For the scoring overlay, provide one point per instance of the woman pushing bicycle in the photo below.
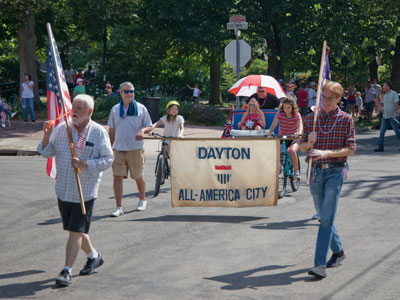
(290, 123)
(173, 122)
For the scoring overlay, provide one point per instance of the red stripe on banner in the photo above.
(223, 167)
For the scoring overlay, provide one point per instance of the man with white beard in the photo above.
(94, 155)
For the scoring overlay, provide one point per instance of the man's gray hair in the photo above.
(125, 83)
(85, 98)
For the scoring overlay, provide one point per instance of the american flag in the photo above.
(82, 139)
(326, 71)
(54, 106)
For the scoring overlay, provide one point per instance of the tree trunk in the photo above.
(395, 79)
(373, 70)
(105, 55)
(373, 66)
(215, 81)
(27, 53)
(275, 58)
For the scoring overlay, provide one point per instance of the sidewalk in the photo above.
(22, 137)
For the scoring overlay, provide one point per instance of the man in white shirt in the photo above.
(390, 108)
(69, 77)
(128, 120)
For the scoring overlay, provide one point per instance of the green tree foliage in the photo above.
(163, 45)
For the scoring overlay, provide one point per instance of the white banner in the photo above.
(224, 173)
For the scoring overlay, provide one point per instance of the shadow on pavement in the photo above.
(94, 219)
(149, 194)
(293, 225)
(383, 183)
(245, 280)
(20, 274)
(197, 218)
(17, 290)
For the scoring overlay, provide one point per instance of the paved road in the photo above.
(204, 253)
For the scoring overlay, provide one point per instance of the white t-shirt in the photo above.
(26, 91)
(312, 97)
(69, 75)
(196, 92)
(171, 129)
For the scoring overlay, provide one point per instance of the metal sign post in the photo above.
(236, 23)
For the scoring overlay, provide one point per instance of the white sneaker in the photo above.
(296, 175)
(13, 114)
(142, 205)
(315, 217)
(117, 212)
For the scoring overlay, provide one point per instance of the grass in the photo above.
(364, 123)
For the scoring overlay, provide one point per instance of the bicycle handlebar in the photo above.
(158, 135)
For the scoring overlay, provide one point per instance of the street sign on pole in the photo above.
(244, 56)
(237, 25)
(238, 52)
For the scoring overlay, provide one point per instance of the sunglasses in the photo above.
(129, 91)
(252, 104)
(262, 91)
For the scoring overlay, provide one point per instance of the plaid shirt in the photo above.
(335, 131)
(97, 153)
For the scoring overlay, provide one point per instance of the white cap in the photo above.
(79, 80)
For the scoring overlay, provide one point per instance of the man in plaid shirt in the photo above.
(94, 155)
(328, 147)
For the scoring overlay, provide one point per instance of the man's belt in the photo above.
(330, 165)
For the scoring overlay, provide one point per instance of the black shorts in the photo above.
(288, 143)
(72, 218)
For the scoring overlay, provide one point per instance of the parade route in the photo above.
(201, 253)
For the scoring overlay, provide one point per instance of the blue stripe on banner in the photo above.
(223, 178)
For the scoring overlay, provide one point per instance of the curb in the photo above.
(364, 129)
(16, 152)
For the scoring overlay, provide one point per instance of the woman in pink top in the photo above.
(253, 118)
(290, 123)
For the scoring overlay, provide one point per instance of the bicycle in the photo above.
(162, 170)
(286, 169)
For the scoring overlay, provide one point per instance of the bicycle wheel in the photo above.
(282, 178)
(295, 183)
(159, 173)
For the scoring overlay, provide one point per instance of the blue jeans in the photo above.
(326, 191)
(25, 103)
(384, 126)
(5, 109)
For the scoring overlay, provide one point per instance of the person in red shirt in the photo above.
(328, 147)
(290, 123)
(77, 76)
(302, 100)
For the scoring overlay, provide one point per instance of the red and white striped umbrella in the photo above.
(248, 85)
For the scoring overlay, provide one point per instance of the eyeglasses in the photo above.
(129, 91)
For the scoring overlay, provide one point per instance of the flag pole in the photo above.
(316, 109)
(71, 143)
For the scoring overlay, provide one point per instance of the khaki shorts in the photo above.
(129, 160)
